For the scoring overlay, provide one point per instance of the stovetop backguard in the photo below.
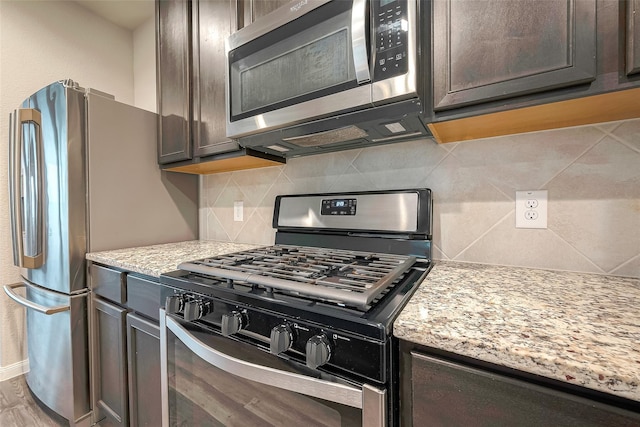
(400, 214)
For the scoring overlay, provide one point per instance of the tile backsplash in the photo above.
(592, 174)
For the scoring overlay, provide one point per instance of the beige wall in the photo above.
(41, 42)
(592, 175)
(144, 66)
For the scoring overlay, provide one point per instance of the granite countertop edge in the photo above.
(154, 260)
(578, 328)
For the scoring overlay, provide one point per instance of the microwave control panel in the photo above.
(391, 24)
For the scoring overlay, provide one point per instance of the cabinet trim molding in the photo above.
(608, 107)
(633, 37)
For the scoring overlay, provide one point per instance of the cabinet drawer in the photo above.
(108, 283)
(451, 394)
(144, 296)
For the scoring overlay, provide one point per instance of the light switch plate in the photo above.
(531, 209)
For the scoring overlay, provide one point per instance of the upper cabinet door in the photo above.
(485, 50)
(250, 10)
(633, 37)
(213, 21)
(173, 68)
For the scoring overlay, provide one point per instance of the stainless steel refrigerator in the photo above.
(83, 178)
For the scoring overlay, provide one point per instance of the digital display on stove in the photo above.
(338, 207)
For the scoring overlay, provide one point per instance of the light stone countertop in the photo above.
(157, 259)
(582, 329)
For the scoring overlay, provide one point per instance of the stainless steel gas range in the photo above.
(299, 332)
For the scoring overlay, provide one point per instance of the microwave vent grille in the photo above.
(348, 133)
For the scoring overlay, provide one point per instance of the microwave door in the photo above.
(26, 188)
(296, 70)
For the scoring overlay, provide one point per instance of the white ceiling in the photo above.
(127, 14)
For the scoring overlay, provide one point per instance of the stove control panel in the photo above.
(318, 351)
(281, 339)
(308, 343)
(195, 309)
(232, 323)
(338, 206)
(174, 304)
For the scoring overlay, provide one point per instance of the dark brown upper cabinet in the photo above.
(191, 70)
(211, 23)
(250, 10)
(633, 37)
(489, 50)
(173, 21)
(190, 43)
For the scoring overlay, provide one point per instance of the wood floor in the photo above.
(19, 409)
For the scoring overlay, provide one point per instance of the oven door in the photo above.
(305, 60)
(208, 379)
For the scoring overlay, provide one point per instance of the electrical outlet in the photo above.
(531, 209)
(237, 210)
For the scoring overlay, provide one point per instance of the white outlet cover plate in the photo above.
(237, 210)
(524, 201)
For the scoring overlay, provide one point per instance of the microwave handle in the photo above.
(370, 399)
(359, 41)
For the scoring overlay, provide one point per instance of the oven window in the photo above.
(305, 59)
(203, 395)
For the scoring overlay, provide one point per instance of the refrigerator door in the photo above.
(26, 190)
(48, 188)
(57, 340)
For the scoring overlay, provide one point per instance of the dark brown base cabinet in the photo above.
(439, 392)
(143, 363)
(111, 364)
(126, 348)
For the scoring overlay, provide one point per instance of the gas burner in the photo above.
(352, 278)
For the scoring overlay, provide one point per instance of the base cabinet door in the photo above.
(143, 350)
(111, 364)
(449, 394)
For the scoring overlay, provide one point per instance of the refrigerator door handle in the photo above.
(26, 189)
(8, 289)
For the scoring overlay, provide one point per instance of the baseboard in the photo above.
(14, 370)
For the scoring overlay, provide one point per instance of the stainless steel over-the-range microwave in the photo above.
(319, 75)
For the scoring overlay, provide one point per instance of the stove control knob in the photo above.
(195, 309)
(232, 323)
(174, 304)
(318, 351)
(281, 339)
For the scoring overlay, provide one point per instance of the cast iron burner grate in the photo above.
(347, 277)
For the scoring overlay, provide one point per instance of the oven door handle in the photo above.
(371, 400)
